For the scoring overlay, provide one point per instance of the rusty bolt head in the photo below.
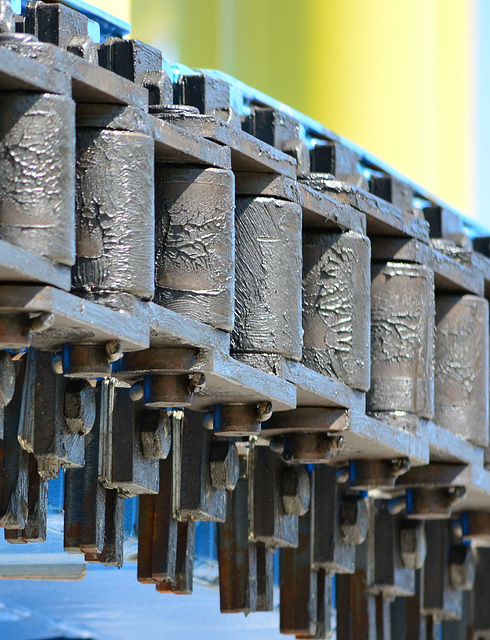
(224, 465)
(354, 520)
(197, 382)
(79, 407)
(400, 466)
(295, 490)
(413, 544)
(113, 350)
(461, 567)
(7, 378)
(263, 411)
(156, 434)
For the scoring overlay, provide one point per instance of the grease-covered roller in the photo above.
(268, 277)
(114, 210)
(337, 306)
(461, 366)
(195, 243)
(37, 176)
(402, 340)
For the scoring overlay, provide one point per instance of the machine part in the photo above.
(268, 277)
(14, 508)
(161, 391)
(131, 59)
(438, 596)
(37, 509)
(475, 527)
(157, 532)
(55, 23)
(123, 464)
(413, 543)
(270, 125)
(295, 489)
(461, 567)
(195, 243)
(311, 448)
(365, 475)
(337, 306)
(402, 339)
(299, 586)
(37, 181)
(238, 586)
(79, 407)
(184, 568)
(432, 503)
(15, 331)
(85, 361)
(461, 366)
(112, 552)
(392, 190)
(331, 546)
(207, 94)
(480, 609)
(339, 161)
(269, 522)
(156, 434)
(236, 420)
(391, 577)
(207, 470)
(114, 212)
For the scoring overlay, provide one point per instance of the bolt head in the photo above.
(354, 518)
(224, 465)
(413, 544)
(295, 490)
(461, 567)
(79, 407)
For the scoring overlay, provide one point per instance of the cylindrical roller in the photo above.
(115, 213)
(268, 277)
(37, 177)
(337, 306)
(461, 366)
(402, 339)
(195, 243)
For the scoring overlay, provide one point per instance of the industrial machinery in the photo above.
(212, 302)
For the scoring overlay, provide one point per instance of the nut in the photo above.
(224, 465)
(461, 567)
(413, 544)
(295, 490)
(353, 520)
(156, 434)
(79, 407)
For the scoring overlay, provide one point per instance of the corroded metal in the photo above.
(461, 366)
(336, 306)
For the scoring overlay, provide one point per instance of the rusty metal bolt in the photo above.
(156, 434)
(461, 567)
(113, 350)
(224, 465)
(413, 544)
(295, 490)
(354, 520)
(7, 378)
(79, 407)
(400, 466)
(197, 382)
(263, 411)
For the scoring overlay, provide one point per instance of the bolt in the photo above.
(113, 350)
(7, 378)
(136, 392)
(400, 466)
(57, 364)
(413, 544)
(263, 411)
(79, 407)
(156, 434)
(224, 465)
(295, 490)
(353, 520)
(461, 567)
(197, 382)
(456, 493)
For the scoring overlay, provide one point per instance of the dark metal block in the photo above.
(131, 59)
(184, 568)
(443, 223)
(337, 160)
(204, 92)
(55, 23)
(112, 552)
(393, 190)
(273, 127)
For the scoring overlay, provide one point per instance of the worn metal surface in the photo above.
(461, 366)
(336, 306)
(195, 233)
(268, 277)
